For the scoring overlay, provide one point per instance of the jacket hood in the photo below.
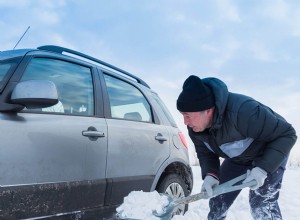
(221, 93)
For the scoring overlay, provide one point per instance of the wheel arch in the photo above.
(177, 166)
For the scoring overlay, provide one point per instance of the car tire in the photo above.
(175, 186)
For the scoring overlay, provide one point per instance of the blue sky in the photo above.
(253, 46)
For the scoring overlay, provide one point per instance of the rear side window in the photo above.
(73, 82)
(126, 101)
(165, 110)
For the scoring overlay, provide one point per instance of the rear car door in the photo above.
(137, 146)
(53, 160)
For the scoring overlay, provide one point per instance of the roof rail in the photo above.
(60, 50)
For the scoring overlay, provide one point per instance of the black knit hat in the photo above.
(195, 96)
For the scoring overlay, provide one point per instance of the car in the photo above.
(79, 134)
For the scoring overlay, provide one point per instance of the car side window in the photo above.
(126, 101)
(73, 82)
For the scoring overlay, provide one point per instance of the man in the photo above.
(251, 137)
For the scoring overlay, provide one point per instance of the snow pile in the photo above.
(140, 205)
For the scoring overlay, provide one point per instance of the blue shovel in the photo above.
(226, 187)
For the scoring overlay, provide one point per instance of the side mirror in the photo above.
(35, 94)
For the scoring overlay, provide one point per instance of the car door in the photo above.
(137, 146)
(53, 160)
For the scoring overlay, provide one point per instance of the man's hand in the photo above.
(208, 184)
(257, 174)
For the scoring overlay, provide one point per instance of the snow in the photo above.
(140, 204)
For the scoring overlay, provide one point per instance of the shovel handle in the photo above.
(230, 186)
(226, 187)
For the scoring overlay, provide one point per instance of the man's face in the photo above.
(198, 121)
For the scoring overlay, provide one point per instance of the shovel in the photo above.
(220, 189)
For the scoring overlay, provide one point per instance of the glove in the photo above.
(208, 184)
(257, 174)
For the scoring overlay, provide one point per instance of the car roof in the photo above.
(72, 54)
(13, 53)
(63, 50)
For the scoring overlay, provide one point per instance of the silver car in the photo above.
(79, 134)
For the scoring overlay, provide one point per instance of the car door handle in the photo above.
(93, 133)
(159, 137)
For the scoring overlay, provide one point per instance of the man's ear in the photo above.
(210, 111)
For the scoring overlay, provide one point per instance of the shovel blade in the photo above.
(167, 213)
(168, 209)
(173, 208)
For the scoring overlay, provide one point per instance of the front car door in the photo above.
(53, 160)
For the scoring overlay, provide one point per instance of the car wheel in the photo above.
(175, 186)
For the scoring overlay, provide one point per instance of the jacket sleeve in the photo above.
(259, 122)
(209, 162)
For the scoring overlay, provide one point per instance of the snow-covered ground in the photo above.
(289, 200)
